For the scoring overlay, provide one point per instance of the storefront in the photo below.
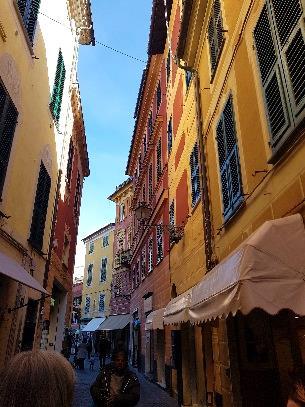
(250, 308)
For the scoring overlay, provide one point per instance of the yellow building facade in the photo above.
(97, 280)
(245, 59)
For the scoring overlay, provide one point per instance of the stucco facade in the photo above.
(98, 273)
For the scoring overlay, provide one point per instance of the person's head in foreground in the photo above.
(37, 378)
(119, 358)
(296, 396)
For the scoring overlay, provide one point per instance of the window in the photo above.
(188, 78)
(144, 193)
(150, 126)
(232, 194)
(8, 121)
(150, 182)
(70, 161)
(145, 143)
(143, 263)
(170, 135)
(87, 305)
(106, 241)
(66, 249)
(103, 269)
(195, 178)
(215, 34)
(29, 12)
(133, 278)
(40, 208)
(91, 247)
(122, 212)
(159, 96)
(280, 46)
(159, 235)
(150, 255)
(159, 160)
(138, 273)
(58, 87)
(77, 197)
(101, 302)
(168, 66)
(172, 213)
(89, 274)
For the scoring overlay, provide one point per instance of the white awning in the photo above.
(266, 271)
(93, 325)
(177, 310)
(114, 322)
(154, 320)
(10, 268)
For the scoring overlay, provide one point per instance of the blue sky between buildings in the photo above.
(109, 84)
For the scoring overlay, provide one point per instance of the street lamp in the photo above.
(143, 213)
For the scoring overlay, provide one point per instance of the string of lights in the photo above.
(97, 42)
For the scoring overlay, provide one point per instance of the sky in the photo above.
(109, 84)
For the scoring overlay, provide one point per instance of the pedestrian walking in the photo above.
(37, 378)
(104, 349)
(116, 385)
(82, 354)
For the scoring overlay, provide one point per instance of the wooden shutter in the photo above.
(215, 34)
(58, 88)
(287, 14)
(32, 18)
(271, 77)
(169, 136)
(21, 5)
(40, 208)
(70, 161)
(8, 121)
(229, 160)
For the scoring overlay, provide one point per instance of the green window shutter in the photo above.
(32, 18)
(40, 208)
(58, 88)
(29, 10)
(215, 35)
(230, 174)
(8, 121)
(271, 78)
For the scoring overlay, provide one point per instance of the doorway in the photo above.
(29, 325)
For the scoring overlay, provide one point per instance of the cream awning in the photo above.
(154, 320)
(93, 325)
(177, 310)
(114, 322)
(266, 271)
(10, 268)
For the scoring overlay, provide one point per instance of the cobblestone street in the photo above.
(151, 394)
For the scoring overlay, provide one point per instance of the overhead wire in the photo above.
(97, 42)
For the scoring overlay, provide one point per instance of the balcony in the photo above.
(122, 259)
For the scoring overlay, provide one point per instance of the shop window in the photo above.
(40, 208)
(58, 87)
(280, 46)
(230, 175)
(8, 121)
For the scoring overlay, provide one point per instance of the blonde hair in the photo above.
(37, 378)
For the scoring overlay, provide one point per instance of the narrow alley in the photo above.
(151, 394)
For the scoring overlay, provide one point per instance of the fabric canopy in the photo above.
(114, 322)
(154, 320)
(266, 271)
(13, 270)
(93, 325)
(177, 310)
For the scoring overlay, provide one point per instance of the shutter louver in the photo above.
(295, 57)
(32, 19)
(40, 208)
(287, 14)
(58, 88)
(230, 175)
(21, 5)
(215, 34)
(8, 121)
(212, 45)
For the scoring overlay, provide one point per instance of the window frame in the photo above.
(103, 269)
